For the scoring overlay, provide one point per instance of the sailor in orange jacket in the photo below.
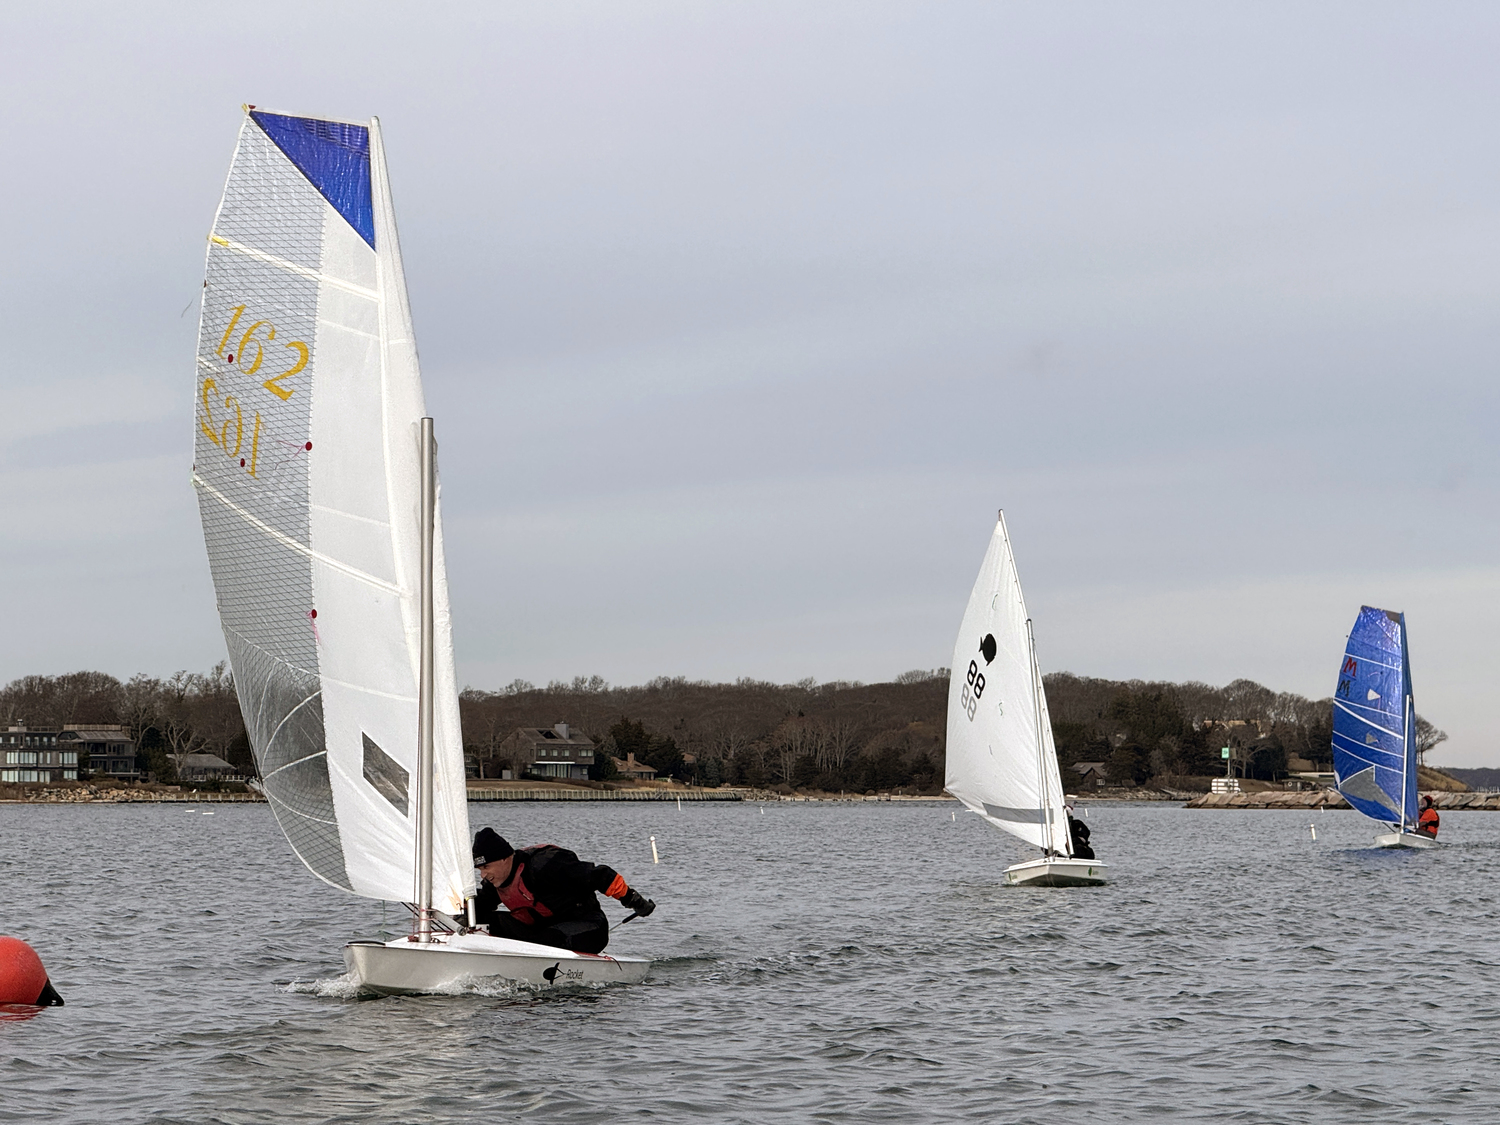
(1427, 819)
(545, 894)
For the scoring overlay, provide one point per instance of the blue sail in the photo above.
(1374, 720)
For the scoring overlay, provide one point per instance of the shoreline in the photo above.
(1331, 799)
(558, 791)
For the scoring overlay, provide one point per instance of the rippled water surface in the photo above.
(817, 963)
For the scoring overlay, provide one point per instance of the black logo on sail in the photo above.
(989, 648)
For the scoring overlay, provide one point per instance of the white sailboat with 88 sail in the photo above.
(1002, 763)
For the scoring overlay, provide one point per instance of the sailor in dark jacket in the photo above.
(547, 894)
(1079, 832)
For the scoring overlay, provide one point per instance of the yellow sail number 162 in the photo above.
(250, 337)
(228, 432)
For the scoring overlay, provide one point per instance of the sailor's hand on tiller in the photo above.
(634, 900)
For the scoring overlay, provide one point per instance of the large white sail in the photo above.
(306, 463)
(1002, 763)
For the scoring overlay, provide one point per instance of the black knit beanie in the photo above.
(489, 846)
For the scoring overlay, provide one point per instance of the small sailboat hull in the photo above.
(1056, 872)
(1404, 840)
(404, 966)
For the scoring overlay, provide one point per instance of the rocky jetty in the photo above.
(77, 794)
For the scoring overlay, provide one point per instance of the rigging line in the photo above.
(302, 548)
(293, 267)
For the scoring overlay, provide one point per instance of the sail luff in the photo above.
(1406, 752)
(1053, 794)
(1041, 773)
(1409, 760)
(451, 872)
(425, 690)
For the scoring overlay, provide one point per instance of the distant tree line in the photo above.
(1172, 733)
(835, 737)
(838, 736)
(186, 713)
(860, 738)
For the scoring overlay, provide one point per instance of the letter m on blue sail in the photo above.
(335, 158)
(1374, 740)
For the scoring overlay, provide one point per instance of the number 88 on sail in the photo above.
(972, 690)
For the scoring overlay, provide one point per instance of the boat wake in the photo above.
(341, 987)
(346, 987)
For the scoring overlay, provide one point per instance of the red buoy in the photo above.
(22, 978)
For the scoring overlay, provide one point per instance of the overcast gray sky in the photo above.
(740, 321)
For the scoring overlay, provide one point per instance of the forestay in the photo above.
(306, 463)
(1002, 762)
(1374, 720)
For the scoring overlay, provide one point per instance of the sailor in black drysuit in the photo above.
(547, 894)
(1079, 832)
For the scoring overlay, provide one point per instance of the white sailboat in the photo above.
(1002, 763)
(315, 468)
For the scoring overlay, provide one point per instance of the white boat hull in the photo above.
(1055, 871)
(404, 966)
(1404, 840)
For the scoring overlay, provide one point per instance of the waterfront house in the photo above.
(1091, 775)
(204, 767)
(36, 754)
(634, 770)
(109, 750)
(555, 752)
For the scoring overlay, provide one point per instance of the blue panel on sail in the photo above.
(335, 158)
(1372, 738)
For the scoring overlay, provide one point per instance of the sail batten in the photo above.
(293, 267)
(308, 398)
(1001, 761)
